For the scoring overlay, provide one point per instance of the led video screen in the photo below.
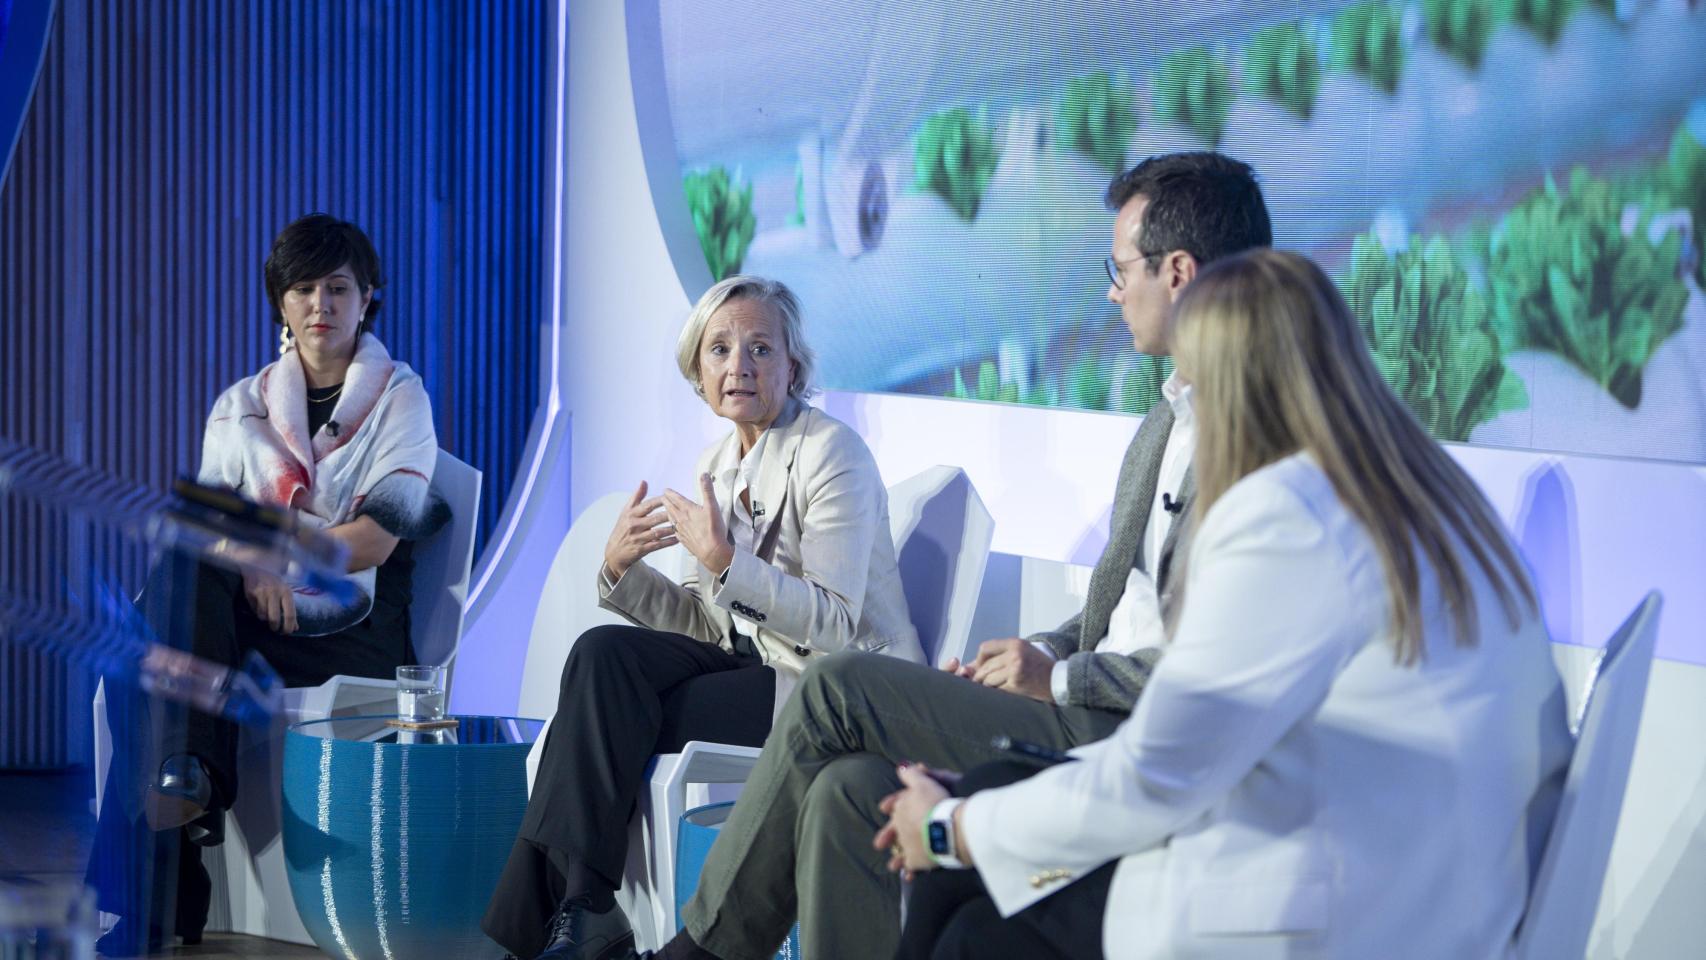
(1509, 191)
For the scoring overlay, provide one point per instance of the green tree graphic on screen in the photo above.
(1366, 40)
(722, 217)
(1565, 277)
(1430, 335)
(1095, 117)
(1193, 87)
(954, 156)
(1283, 64)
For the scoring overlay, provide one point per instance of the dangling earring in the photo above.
(284, 340)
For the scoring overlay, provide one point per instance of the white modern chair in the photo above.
(250, 891)
(442, 568)
(568, 607)
(1567, 886)
(942, 532)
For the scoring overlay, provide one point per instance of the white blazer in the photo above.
(1284, 788)
(824, 577)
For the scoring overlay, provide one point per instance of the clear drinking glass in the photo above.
(420, 693)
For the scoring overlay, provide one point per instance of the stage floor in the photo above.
(45, 832)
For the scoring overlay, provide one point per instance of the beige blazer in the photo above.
(824, 576)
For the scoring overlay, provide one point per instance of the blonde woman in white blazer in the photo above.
(1353, 744)
(789, 525)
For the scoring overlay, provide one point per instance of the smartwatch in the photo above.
(939, 834)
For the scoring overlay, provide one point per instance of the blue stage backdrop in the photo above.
(165, 145)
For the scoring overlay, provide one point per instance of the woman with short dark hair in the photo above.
(340, 433)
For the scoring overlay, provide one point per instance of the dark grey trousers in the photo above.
(799, 841)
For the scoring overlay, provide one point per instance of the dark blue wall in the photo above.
(165, 145)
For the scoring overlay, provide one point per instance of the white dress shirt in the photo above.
(1135, 623)
(1175, 463)
(730, 480)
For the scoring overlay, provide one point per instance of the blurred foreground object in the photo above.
(56, 922)
(204, 523)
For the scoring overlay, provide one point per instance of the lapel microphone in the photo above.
(757, 510)
(1174, 507)
(332, 425)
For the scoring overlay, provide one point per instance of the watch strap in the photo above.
(940, 837)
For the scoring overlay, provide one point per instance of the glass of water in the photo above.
(420, 693)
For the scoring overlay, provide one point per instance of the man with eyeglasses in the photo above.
(798, 842)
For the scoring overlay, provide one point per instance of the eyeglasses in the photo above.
(1116, 268)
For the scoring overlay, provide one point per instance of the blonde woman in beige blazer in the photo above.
(788, 524)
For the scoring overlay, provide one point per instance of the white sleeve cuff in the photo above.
(1057, 682)
(606, 583)
(1006, 876)
(1045, 648)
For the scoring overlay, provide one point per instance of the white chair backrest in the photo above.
(1567, 886)
(942, 533)
(443, 562)
(568, 602)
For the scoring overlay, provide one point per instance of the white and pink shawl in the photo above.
(374, 458)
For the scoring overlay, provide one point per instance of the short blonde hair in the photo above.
(782, 303)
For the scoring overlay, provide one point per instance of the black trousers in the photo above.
(627, 693)
(159, 877)
(950, 914)
(226, 629)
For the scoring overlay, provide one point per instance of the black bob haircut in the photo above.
(1204, 203)
(315, 245)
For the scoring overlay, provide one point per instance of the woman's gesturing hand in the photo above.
(272, 600)
(701, 528)
(640, 529)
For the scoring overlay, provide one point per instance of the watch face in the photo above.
(939, 839)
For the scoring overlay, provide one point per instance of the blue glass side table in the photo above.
(394, 839)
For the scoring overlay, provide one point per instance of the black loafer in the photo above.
(181, 795)
(579, 934)
(207, 830)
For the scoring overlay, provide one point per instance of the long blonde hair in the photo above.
(1278, 365)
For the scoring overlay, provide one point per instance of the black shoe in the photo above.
(207, 830)
(182, 794)
(679, 947)
(577, 933)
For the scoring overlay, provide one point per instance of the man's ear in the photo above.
(1181, 270)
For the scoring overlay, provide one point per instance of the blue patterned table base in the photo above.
(393, 849)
